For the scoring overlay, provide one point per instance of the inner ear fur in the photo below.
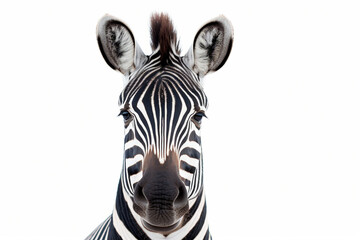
(117, 44)
(211, 47)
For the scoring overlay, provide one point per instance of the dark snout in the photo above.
(160, 197)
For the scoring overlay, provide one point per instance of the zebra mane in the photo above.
(162, 33)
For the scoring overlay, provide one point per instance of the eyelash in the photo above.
(126, 115)
(199, 116)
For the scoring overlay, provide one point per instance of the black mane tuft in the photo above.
(162, 33)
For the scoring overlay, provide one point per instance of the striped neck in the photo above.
(126, 224)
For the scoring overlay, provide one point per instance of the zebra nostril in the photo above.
(139, 197)
(181, 200)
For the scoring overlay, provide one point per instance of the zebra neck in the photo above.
(126, 224)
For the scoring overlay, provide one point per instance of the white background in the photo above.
(281, 144)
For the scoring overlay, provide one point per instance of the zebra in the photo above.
(160, 193)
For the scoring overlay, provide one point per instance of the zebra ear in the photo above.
(211, 47)
(117, 45)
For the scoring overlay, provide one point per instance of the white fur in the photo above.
(126, 46)
(203, 61)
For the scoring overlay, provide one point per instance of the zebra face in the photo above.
(162, 107)
(163, 104)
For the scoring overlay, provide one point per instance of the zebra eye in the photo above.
(126, 115)
(198, 116)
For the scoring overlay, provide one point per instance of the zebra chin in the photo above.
(160, 197)
(157, 219)
(163, 222)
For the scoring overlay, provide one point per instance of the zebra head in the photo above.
(162, 104)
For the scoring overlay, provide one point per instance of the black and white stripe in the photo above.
(102, 231)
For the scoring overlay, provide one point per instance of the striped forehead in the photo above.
(162, 86)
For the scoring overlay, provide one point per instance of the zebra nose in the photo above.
(161, 195)
(160, 201)
(160, 210)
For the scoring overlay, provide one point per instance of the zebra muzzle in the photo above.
(160, 197)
